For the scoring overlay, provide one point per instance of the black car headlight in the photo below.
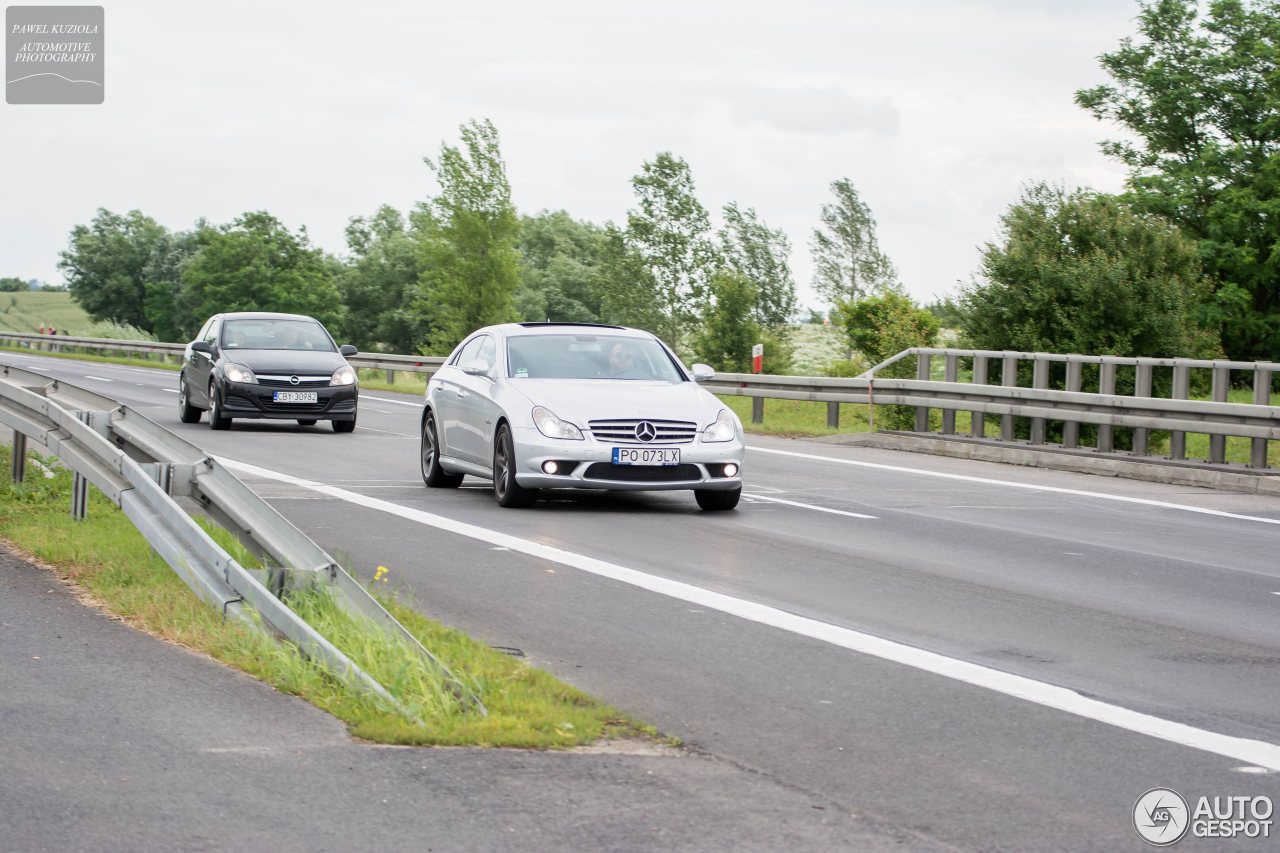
(239, 373)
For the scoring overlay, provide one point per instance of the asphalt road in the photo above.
(850, 632)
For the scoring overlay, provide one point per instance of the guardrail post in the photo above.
(1071, 429)
(922, 373)
(391, 377)
(757, 410)
(1008, 378)
(950, 373)
(1106, 385)
(19, 461)
(1039, 380)
(1181, 388)
(978, 420)
(1142, 388)
(1218, 443)
(833, 415)
(1261, 397)
(79, 496)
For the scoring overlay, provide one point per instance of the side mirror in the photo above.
(475, 368)
(347, 349)
(702, 372)
(202, 346)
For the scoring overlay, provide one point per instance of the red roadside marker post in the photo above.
(757, 366)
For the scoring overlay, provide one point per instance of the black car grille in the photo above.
(643, 473)
(623, 431)
(268, 405)
(303, 383)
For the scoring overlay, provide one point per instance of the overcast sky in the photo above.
(937, 111)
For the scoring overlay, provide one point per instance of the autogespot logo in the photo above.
(1161, 817)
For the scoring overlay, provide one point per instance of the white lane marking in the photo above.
(388, 400)
(98, 378)
(1253, 752)
(807, 506)
(1015, 485)
(385, 432)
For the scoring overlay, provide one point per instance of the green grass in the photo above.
(106, 558)
(24, 312)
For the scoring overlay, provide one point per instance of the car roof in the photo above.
(554, 328)
(264, 315)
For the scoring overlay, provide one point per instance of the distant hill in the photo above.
(24, 312)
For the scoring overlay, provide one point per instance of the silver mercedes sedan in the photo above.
(580, 406)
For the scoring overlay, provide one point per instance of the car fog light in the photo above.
(550, 467)
(730, 470)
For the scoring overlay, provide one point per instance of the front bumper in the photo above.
(250, 400)
(587, 464)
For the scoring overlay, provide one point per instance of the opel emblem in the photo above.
(293, 380)
(645, 431)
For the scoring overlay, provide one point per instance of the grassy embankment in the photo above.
(106, 559)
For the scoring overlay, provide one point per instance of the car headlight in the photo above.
(724, 428)
(239, 373)
(345, 375)
(552, 427)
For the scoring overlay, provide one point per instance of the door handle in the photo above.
(461, 392)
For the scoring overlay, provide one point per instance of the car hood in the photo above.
(597, 399)
(284, 361)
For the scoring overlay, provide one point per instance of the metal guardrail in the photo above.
(1042, 404)
(141, 467)
(1072, 406)
(59, 343)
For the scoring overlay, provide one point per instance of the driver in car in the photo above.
(622, 363)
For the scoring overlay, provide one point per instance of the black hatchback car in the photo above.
(261, 365)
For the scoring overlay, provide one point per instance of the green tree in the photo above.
(471, 261)
(882, 325)
(1086, 273)
(1200, 97)
(13, 285)
(162, 283)
(670, 230)
(379, 281)
(257, 264)
(629, 293)
(560, 268)
(847, 261)
(104, 265)
(762, 254)
(729, 329)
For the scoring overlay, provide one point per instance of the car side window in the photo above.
(211, 333)
(470, 352)
(488, 351)
(204, 330)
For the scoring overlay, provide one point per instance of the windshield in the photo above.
(276, 334)
(589, 357)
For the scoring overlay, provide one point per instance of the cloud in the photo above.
(815, 109)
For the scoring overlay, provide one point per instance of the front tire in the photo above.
(216, 418)
(187, 413)
(716, 500)
(505, 488)
(432, 474)
(344, 426)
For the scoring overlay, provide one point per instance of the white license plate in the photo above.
(646, 456)
(294, 397)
